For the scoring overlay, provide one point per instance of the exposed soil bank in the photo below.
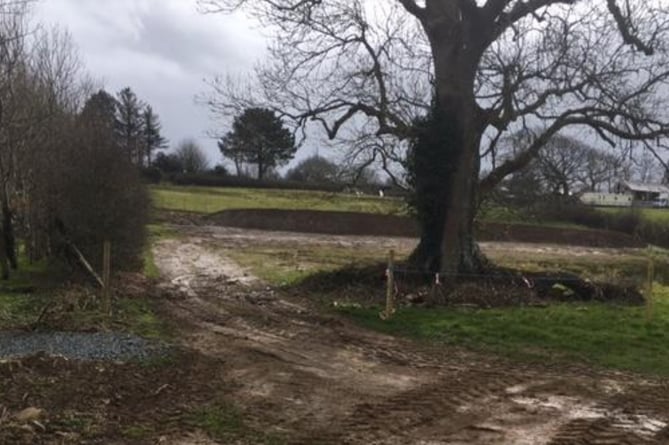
(349, 223)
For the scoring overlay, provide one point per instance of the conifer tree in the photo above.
(152, 138)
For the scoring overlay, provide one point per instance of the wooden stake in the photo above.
(390, 288)
(106, 274)
(650, 277)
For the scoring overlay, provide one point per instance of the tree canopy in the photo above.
(153, 140)
(258, 137)
(315, 169)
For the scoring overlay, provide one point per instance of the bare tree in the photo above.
(600, 169)
(564, 166)
(315, 169)
(646, 168)
(15, 119)
(478, 70)
(192, 157)
(58, 86)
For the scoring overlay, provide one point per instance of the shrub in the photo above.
(629, 221)
(103, 198)
(152, 175)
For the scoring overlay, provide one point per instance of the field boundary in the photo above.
(365, 224)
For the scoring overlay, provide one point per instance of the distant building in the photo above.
(645, 195)
(607, 199)
(630, 194)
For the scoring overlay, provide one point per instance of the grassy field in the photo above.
(283, 265)
(207, 200)
(286, 266)
(211, 200)
(655, 215)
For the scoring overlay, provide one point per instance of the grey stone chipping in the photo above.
(98, 346)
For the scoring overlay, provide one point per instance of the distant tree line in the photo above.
(568, 167)
(256, 146)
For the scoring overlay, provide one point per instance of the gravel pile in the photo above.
(107, 346)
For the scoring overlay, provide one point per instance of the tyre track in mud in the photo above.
(455, 400)
(449, 412)
(322, 381)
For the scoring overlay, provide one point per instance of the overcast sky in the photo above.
(162, 49)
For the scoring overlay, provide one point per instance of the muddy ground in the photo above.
(302, 376)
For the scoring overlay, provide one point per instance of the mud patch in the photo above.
(187, 265)
(319, 379)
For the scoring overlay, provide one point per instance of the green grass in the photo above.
(654, 215)
(212, 200)
(156, 233)
(598, 334)
(27, 291)
(509, 215)
(286, 265)
(139, 316)
(18, 310)
(224, 422)
(36, 275)
(35, 291)
(657, 215)
(137, 432)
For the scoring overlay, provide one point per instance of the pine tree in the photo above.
(99, 113)
(130, 125)
(152, 139)
(258, 137)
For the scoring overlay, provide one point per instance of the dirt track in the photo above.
(317, 379)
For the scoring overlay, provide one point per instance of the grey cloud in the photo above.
(163, 49)
(194, 48)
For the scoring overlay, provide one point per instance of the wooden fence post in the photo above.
(390, 288)
(650, 277)
(106, 275)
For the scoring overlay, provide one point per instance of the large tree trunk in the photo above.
(4, 264)
(261, 169)
(10, 239)
(8, 233)
(446, 168)
(447, 163)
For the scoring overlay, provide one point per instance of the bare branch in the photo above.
(624, 27)
(412, 7)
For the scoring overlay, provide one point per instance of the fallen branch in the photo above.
(86, 264)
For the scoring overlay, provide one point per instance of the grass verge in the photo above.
(598, 334)
(156, 233)
(35, 298)
(287, 266)
(654, 215)
(224, 422)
